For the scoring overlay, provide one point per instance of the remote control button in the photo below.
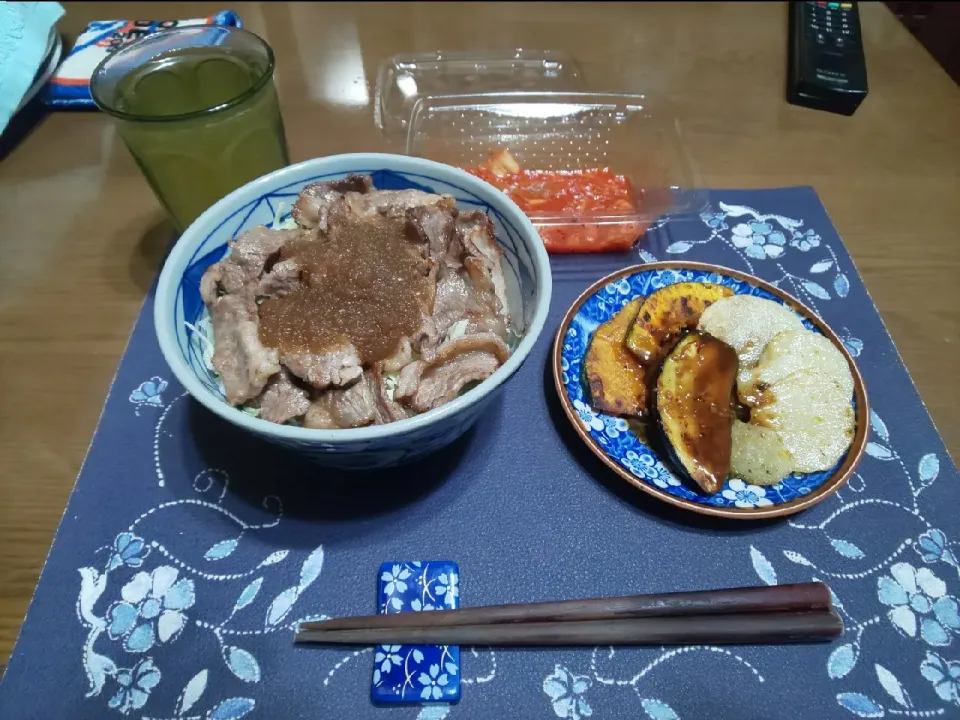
(821, 39)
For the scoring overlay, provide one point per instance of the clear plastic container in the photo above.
(629, 134)
(403, 79)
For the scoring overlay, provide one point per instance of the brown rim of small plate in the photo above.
(827, 488)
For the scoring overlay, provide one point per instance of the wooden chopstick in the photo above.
(777, 598)
(752, 628)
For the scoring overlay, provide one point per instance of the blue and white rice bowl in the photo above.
(178, 307)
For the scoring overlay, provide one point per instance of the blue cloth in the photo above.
(24, 33)
(188, 550)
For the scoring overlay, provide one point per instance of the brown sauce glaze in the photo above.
(712, 386)
(364, 282)
(694, 403)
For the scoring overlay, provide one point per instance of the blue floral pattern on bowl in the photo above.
(612, 435)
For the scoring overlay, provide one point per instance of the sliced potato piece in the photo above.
(666, 313)
(812, 415)
(758, 456)
(747, 323)
(616, 379)
(694, 393)
(794, 351)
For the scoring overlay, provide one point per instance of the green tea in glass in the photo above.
(198, 110)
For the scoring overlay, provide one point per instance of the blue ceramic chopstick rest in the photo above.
(417, 673)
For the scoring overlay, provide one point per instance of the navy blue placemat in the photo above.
(189, 551)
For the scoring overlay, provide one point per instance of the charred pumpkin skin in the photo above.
(616, 379)
(666, 313)
(694, 411)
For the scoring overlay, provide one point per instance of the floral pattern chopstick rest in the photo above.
(417, 673)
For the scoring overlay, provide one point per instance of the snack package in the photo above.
(70, 84)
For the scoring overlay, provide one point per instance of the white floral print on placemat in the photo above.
(143, 598)
(913, 599)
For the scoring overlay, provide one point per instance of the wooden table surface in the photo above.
(83, 237)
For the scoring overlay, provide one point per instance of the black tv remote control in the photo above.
(827, 70)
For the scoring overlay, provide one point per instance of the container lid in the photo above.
(593, 171)
(631, 134)
(403, 79)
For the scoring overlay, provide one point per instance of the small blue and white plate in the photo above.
(624, 452)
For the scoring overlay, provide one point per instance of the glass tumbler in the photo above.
(198, 110)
